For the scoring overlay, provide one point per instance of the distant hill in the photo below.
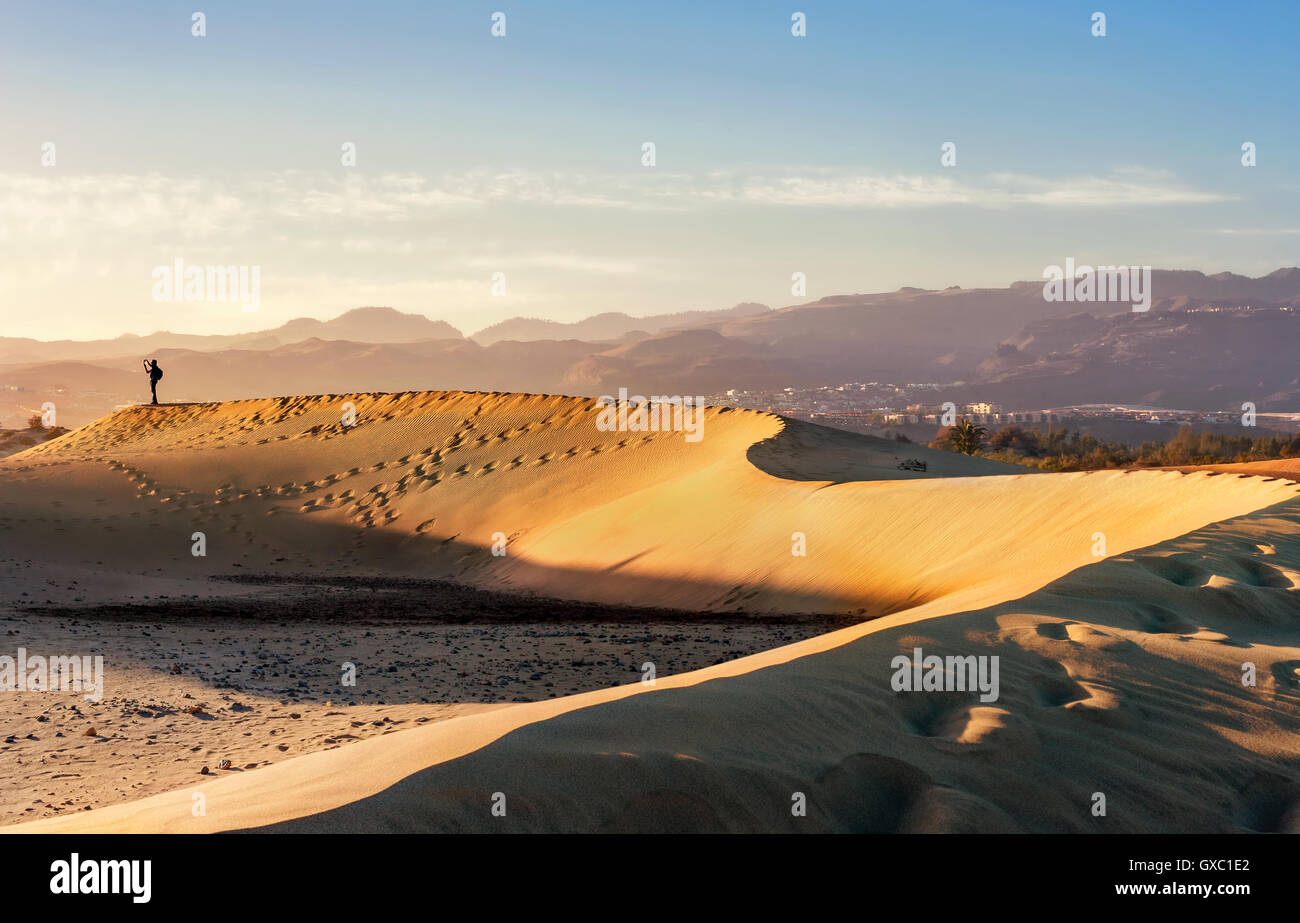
(1003, 344)
(612, 325)
(1179, 359)
(920, 335)
(315, 365)
(368, 325)
(365, 325)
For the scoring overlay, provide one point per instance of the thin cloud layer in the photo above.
(56, 206)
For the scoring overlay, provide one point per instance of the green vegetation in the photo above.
(965, 437)
(1065, 450)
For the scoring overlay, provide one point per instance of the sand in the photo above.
(1122, 606)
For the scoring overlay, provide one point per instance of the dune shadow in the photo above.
(430, 640)
(804, 451)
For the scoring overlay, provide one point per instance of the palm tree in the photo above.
(966, 437)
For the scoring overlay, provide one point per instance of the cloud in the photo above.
(1118, 189)
(55, 206)
(51, 206)
(564, 262)
(1121, 188)
(832, 191)
(1252, 232)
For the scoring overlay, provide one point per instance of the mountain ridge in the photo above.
(1008, 345)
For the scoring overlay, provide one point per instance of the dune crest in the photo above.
(428, 483)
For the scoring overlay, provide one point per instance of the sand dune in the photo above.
(1119, 608)
(424, 482)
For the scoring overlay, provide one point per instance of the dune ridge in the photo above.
(425, 483)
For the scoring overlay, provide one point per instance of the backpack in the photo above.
(158, 371)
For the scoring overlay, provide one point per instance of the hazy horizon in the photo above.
(469, 332)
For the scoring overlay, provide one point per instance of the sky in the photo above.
(127, 143)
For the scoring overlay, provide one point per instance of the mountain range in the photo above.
(612, 325)
(1209, 341)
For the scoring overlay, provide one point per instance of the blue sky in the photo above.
(522, 154)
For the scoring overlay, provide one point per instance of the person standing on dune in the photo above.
(155, 373)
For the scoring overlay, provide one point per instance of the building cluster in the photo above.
(865, 406)
(1237, 309)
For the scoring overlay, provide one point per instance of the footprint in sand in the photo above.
(869, 793)
(1268, 802)
(934, 714)
(1084, 635)
(1056, 631)
(1177, 572)
(1286, 675)
(1056, 688)
(1158, 620)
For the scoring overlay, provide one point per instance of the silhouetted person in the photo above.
(155, 373)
